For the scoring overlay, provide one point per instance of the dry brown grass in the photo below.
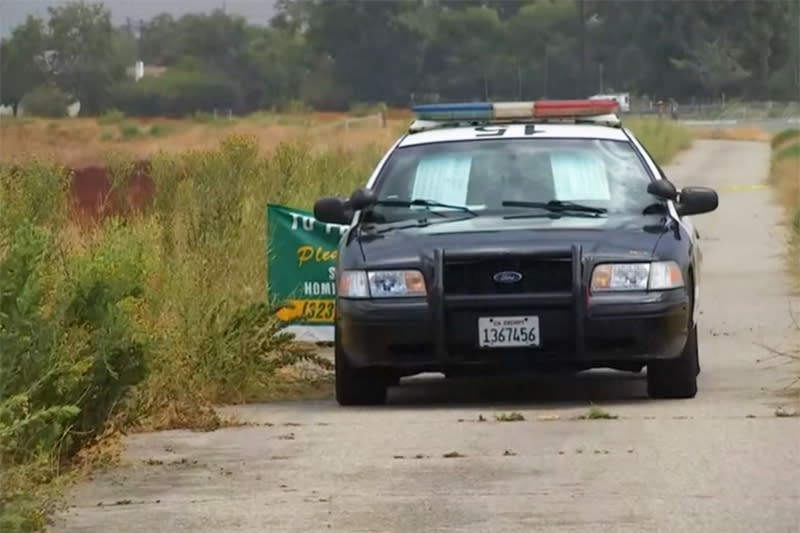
(732, 134)
(785, 178)
(84, 141)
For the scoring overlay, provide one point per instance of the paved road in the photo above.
(770, 125)
(720, 462)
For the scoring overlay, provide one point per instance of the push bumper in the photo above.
(441, 331)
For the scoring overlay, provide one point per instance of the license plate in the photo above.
(508, 331)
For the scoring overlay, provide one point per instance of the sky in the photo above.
(14, 12)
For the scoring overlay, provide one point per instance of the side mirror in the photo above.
(333, 210)
(663, 189)
(697, 200)
(362, 198)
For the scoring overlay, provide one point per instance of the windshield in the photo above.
(485, 175)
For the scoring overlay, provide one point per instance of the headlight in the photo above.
(658, 275)
(665, 275)
(353, 284)
(381, 283)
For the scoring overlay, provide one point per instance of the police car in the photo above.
(512, 237)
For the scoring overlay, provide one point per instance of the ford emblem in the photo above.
(508, 276)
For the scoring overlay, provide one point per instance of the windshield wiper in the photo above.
(425, 203)
(413, 223)
(557, 206)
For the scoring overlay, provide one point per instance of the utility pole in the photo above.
(602, 85)
(582, 21)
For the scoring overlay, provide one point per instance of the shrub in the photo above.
(784, 136)
(175, 93)
(296, 107)
(796, 220)
(71, 348)
(46, 101)
(34, 193)
(111, 116)
(129, 131)
(147, 319)
(361, 109)
(160, 130)
(790, 151)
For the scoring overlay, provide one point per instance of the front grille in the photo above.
(476, 276)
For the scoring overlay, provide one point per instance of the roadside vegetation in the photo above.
(732, 134)
(145, 319)
(785, 178)
(664, 139)
(148, 318)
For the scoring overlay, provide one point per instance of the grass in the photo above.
(9, 121)
(129, 131)
(731, 134)
(509, 417)
(785, 178)
(787, 151)
(791, 135)
(160, 130)
(112, 116)
(79, 142)
(597, 413)
(664, 139)
(144, 322)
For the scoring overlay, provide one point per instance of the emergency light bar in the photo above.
(433, 115)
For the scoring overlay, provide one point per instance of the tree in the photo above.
(374, 55)
(159, 41)
(85, 61)
(334, 53)
(21, 62)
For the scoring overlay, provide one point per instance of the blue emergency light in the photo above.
(479, 111)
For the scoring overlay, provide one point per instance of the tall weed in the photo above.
(664, 139)
(73, 350)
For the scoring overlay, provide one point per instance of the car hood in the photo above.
(609, 236)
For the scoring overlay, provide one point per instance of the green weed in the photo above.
(509, 417)
(787, 152)
(597, 413)
(148, 320)
(160, 130)
(784, 136)
(129, 131)
(112, 116)
(664, 139)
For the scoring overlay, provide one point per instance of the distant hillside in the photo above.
(14, 12)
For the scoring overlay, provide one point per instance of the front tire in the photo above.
(675, 378)
(357, 386)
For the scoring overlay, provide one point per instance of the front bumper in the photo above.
(441, 331)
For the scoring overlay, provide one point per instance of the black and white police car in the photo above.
(515, 236)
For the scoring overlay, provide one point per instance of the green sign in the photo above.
(301, 264)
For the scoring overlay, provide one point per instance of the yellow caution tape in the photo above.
(738, 188)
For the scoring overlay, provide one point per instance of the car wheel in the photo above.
(357, 386)
(675, 378)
